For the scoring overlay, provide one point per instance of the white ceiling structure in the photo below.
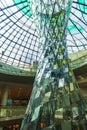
(19, 41)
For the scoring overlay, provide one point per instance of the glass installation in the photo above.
(56, 102)
(47, 31)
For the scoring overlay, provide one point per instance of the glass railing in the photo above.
(9, 69)
(12, 111)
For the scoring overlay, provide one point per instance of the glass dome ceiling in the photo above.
(19, 41)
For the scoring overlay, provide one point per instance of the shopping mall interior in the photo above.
(34, 74)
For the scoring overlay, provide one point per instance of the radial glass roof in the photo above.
(19, 41)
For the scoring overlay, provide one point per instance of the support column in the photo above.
(5, 96)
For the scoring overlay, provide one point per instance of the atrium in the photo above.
(43, 44)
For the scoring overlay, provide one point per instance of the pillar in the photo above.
(56, 100)
(4, 96)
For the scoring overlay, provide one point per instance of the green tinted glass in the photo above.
(24, 6)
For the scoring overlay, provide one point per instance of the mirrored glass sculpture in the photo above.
(56, 101)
